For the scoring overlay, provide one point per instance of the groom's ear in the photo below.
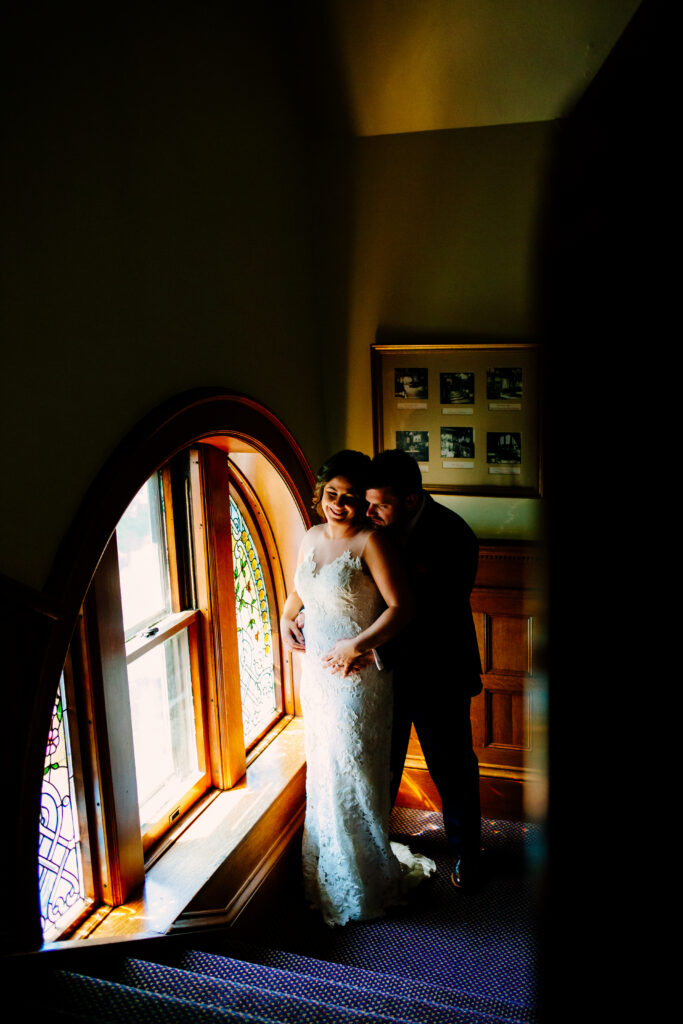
(411, 502)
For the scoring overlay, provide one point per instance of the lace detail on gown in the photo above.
(351, 870)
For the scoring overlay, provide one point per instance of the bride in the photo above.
(352, 588)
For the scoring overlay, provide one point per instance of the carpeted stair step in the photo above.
(263, 1001)
(69, 996)
(384, 995)
(158, 993)
(357, 978)
(286, 997)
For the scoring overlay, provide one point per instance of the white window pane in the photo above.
(164, 736)
(143, 559)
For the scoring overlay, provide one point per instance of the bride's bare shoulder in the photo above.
(379, 543)
(313, 534)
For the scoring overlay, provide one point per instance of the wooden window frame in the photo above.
(122, 868)
(216, 603)
(202, 572)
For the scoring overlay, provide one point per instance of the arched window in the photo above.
(177, 668)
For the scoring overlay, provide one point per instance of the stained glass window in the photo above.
(60, 865)
(254, 633)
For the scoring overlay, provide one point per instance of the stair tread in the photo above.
(370, 980)
(302, 999)
(199, 1000)
(103, 1000)
(380, 992)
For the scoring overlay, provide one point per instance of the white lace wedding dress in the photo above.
(351, 870)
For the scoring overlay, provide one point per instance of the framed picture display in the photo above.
(466, 409)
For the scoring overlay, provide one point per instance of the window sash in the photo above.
(198, 778)
(156, 553)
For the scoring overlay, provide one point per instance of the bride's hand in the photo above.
(292, 637)
(342, 656)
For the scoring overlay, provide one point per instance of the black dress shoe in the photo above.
(467, 872)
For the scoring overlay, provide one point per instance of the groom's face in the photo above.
(385, 508)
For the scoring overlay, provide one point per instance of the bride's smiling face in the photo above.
(339, 502)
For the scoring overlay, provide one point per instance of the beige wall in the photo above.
(442, 232)
(426, 65)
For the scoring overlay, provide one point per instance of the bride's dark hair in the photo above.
(352, 466)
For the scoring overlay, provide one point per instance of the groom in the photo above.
(435, 659)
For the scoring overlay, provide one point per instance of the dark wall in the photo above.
(156, 237)
(605, 302)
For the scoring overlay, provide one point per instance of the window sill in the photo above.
(216, 863)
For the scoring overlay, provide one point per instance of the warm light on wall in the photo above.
(429, 65)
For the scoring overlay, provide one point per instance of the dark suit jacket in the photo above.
(438, 649)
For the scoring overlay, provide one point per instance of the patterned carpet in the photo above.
(447, 958)
(481, 943)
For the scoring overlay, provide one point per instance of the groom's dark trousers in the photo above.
(437, 669)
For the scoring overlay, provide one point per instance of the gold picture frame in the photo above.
(467, 408)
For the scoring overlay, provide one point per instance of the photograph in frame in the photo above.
(456, 388)
(503, 448)
(504, 384)
(457, 442)
(411, 383)
(415, 442)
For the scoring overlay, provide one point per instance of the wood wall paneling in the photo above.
(507, 603)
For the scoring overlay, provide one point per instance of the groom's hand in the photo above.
(341, 657)
(291, 634)
(362, 661)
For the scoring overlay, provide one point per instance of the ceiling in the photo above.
(425, 65)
